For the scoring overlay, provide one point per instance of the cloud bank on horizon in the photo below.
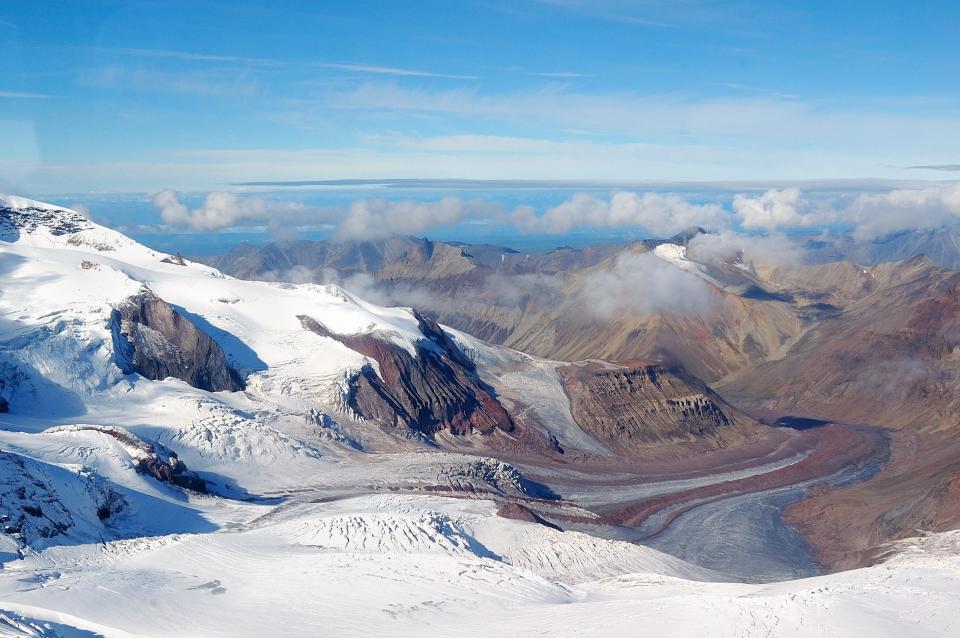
(867, 215)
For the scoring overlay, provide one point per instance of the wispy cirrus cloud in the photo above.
(729, 119)
(934, 167)
(205, 83)
(21, 95)
(560, 74)
(355, 67)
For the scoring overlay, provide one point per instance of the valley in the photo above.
(472, 318)
(171, 428)
(827, 339)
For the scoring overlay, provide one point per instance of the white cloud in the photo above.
(870, 215)
(207, 83)
(726, 246)
(378, 218)
(774, 209)
(746, 122)
(362, 219)
(657, 213)
(20, 95)
(878, 214)
(357, 67)
(643, 283)
(224, 210)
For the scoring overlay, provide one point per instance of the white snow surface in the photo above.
(327, 556)
(677, 255)
(417, 565)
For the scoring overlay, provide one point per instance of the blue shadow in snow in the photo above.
(240, 355)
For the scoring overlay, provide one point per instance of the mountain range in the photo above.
(834, 340)
(378, 435)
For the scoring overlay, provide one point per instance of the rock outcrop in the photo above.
(40, 502)
(172, 470)
(518, 512)
(20, 215)
(30, 509)
(153, 340)
(436, 389)
(147, 457)
(634, 404)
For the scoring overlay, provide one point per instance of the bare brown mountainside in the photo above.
(633, 405)
(540, 303)
(877, 345)
(891, 358)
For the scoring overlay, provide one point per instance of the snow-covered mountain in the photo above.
(187, 454)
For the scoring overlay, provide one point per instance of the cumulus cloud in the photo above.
(643, 283)
(870, 215)
(657, 213)
(878, 214)
(224, 210)
(362, 219)
(725, 246)
(776, 209)
(379, 218)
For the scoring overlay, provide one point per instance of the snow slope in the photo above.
(413, 565)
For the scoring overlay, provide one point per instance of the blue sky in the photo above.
(141, 96)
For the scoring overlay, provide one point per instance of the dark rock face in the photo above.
(438, 389)
(4, 403)
(154, 340)
(172, 471)
(176, 260)
(518, 512)
(635, 404)
(34, 510)
(154, 459)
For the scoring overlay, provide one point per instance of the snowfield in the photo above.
(411, 565)
(313, 525)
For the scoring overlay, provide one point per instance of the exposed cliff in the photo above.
(154, 340)
(436, 388)
(635, 404)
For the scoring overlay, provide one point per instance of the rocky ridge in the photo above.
(154, 340)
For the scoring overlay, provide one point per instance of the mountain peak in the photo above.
(20, 215)
(684, 236)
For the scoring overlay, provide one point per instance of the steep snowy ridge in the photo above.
(64, 276)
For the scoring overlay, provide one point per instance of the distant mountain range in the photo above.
(871, 334)
(939, 245)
